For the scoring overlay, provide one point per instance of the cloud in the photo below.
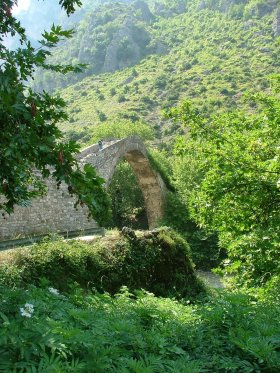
(22, 6)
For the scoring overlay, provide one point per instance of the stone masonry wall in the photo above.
(53, 213)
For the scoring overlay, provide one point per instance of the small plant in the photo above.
(101, 97)
(43, 330)
(121, 98)
(113, 92)
(101, 116)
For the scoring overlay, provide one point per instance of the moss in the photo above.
(157, 261)
(158, 165)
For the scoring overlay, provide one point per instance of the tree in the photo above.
(234, 189)
(32, 146)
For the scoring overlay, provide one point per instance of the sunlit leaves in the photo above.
(232, 171)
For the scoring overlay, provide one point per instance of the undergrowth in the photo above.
(43, 330)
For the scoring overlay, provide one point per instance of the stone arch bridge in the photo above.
(55, 212)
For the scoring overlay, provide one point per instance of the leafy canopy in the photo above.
(30, 138)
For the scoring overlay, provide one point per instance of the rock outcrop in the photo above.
(145, 13)
(126, 47)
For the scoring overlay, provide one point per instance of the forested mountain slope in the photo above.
(111, 36)
(147, 56)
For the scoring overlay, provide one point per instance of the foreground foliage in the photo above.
(45, 331)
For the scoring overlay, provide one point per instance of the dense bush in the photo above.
(157, 261)
(206, 254)
(228, 174)
(121, 128)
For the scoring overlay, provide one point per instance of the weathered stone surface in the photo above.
(56, 213)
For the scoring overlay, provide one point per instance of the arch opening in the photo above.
(149, 181)
(128, 203)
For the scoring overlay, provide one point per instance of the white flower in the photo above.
(53, 291)
(29, 307)
(24, 313)
(27, 310)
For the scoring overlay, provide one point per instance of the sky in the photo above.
(28, 12)
(22, 5)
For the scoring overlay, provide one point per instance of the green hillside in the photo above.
(212, 52)
(110, 37)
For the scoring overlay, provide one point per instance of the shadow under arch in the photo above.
(128, 205)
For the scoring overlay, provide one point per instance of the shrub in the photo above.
(134, 72)
(133, 116)
(121, 98)
(101, 116)
(113, 91)
(147, 100)
(100, 96)
(160, 81)
(157, 261)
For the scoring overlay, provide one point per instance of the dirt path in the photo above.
(211, 279)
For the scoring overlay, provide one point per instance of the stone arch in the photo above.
(134, 152)
(149, 183)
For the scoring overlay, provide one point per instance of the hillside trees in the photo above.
(30, 138)
(229, 174)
